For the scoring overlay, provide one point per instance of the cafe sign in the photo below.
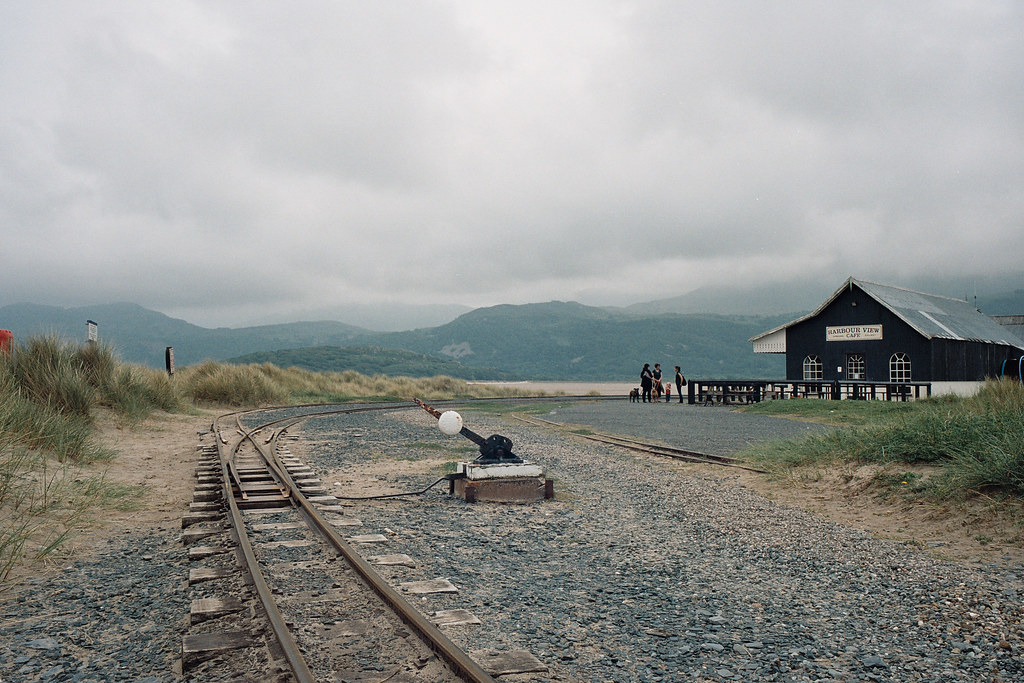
(853, 332)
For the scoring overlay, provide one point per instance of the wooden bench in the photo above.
(711, 396)
(729, 397)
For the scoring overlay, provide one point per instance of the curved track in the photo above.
(240, 477)
(646, 447)
(258, 476)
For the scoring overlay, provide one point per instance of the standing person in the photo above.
(646, 380)
(668, 392)
(656, 375)
(680, 383)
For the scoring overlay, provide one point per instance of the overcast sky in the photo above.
(227, 161)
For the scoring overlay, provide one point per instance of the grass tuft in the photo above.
(266, 384)
(976, 441)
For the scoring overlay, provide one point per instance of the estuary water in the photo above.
(569, 388)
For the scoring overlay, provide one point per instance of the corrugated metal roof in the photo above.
(930, 315)
(938, 316)
(1014, 323)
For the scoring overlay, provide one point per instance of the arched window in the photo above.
(899, 367)
(855, 366)
(812, 368)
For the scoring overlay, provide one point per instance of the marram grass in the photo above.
(266, 384)
(977, 442)
(50, 391)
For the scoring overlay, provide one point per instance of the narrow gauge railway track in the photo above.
(660, 618)
(340, 616)
(251, 480)
(645, 447)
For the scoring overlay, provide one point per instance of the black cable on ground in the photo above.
(394, 495)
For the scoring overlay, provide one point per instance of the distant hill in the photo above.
(555, 340)
(570, 341)
(372, 360)
(995, 296)
(140, 335)
(737, 299)
(388, 317)
(1003, 304)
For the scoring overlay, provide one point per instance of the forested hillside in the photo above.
(553, 340)
(372, 360)
(140, 335)
(570, 341)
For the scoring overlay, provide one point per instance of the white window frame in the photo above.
(856, 367)
(899, 367)
(814, 370)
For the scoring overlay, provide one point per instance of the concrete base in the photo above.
(499, 470)
(504, 490)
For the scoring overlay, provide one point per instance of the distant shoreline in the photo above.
(568, 387)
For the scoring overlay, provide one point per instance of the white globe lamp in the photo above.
(450, 423)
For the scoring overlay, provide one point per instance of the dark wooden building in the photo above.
(877, 333)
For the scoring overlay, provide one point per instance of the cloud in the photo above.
(222, 160)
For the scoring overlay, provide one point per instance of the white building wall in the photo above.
(956, 388)
(773, 343)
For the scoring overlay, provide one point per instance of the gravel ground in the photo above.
(641, 570)
(648, 570)
(707, 429)
(118, 616)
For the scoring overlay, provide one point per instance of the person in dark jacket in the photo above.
(680, 383)
(646, 382)
(658, 386)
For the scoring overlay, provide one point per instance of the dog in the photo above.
(634, 395)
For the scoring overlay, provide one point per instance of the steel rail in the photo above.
(646, 447)
(277, 623)
(403, 405)
(454, 656)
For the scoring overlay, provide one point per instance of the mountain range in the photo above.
(803, 294)
(546, 341)
(555, 340)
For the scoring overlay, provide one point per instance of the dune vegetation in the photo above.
(969, 446)
(51, 392)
